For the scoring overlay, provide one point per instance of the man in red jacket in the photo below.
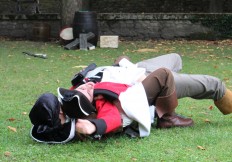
(118, 105)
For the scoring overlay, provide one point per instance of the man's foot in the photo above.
(174, 120)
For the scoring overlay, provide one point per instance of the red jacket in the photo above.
(108, 116)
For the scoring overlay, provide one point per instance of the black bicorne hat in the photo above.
(47, 127)
(75, 104)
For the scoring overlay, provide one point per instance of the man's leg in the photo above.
(160, 90)
(204, 87)
(170, 61)
(199, 86)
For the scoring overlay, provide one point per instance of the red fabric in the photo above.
(109, 113)
(107, 110)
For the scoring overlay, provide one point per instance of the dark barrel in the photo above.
(84, 22)
(41, 31)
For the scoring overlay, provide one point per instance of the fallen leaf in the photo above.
(207, 120)
(12, 129)
(133, 159)
(200, 147)
(228, 57)
(7, 153)
(211, 107)
(24, 113)
(205, 113)
(11, 119)
(226, 79)
(80, 66)
(147, 50)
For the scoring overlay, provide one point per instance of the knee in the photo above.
(215, 85)
(177, 62)
(164, 71)
(176, 56)
(164, 74)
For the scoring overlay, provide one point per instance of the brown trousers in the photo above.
(160, 90)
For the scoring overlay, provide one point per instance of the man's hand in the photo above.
(85, 127)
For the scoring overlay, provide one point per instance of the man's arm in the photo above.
(108, 120)
(85, 127)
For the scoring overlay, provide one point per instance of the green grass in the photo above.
(24, 78)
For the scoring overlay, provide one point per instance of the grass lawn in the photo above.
(23, 79)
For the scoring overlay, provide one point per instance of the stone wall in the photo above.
(129, 6)
(164, 26)
(130, 19)
(161, 6)
(45, 6)
(21, 26)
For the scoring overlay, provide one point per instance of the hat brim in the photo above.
(69, 129)
(74, 103)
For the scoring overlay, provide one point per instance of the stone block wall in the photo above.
(45, 6)
(21, 26)
(15, 24)
(161, 6)
(129, 19)
(164, 26)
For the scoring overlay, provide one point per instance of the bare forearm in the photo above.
(85, 127)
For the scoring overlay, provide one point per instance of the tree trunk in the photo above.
(69, 7)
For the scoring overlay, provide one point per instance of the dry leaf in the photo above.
(200, 147)
(7, 153)
(80, 66)
(133, 159)
(147, 50)
(11, 119)
(12, 129)
(226, 79)
(207, 120)
(228, 57)
(205, 113)
(211, 107)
